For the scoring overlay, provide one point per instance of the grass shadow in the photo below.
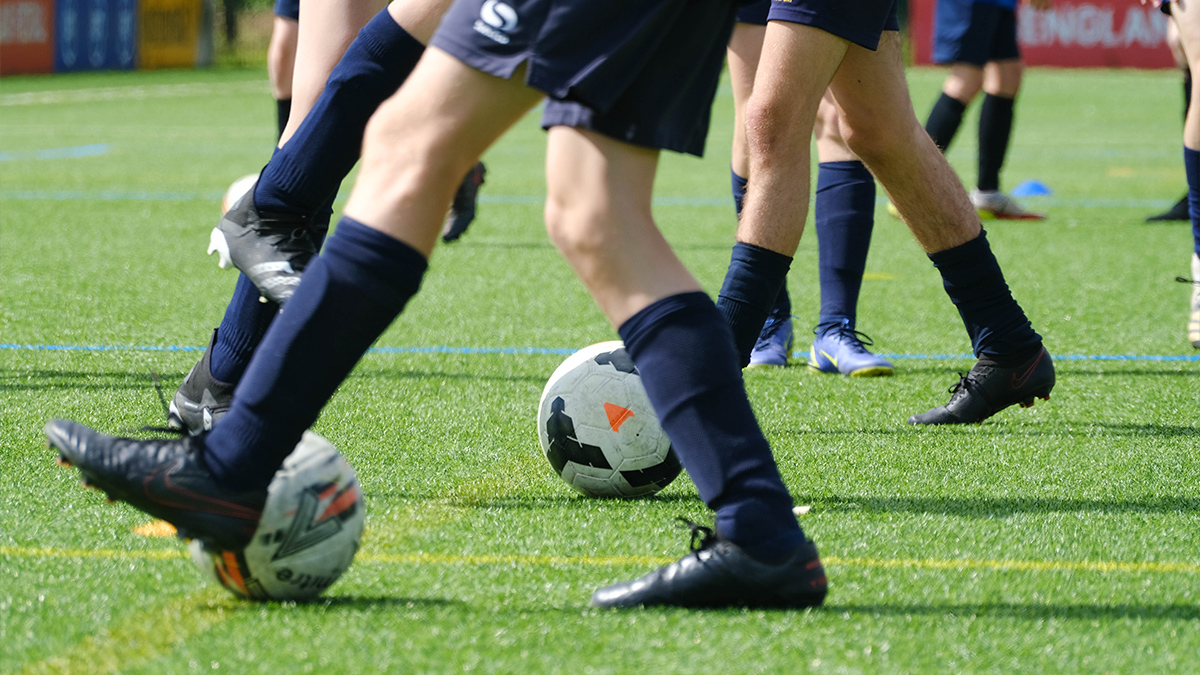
(1028, 612)
(400, 374)
(1000, 507)
(535, 503)
(38, 380)
(379, 601)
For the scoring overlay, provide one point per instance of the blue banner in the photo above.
(95, 35)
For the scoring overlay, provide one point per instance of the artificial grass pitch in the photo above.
(1060, 538)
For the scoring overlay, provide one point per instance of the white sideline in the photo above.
(134, 92)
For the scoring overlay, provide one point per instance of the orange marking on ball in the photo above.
(617, 415)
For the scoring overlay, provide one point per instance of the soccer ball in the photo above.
(598, 429)
(310, 529)
(238, 188)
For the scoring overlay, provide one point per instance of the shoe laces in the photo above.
(701, 533)
(964, 382)
(773, 325)
(294, 231)
(856, 339)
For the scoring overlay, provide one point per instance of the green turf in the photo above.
(1060, 538)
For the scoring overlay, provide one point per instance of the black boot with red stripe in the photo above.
(166, 478)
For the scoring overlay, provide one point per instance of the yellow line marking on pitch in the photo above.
(84, 553)
(830, 561)
(878, 276)
(142, 638)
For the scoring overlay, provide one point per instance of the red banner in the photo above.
(1074, 34)
(26, 36)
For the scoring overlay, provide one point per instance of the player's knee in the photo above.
(579, 231)
(770, 129)
(872, 140)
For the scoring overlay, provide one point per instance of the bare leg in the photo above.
(779, 119)
(1187, 20)
(281, 56)
(964, 82)
(598, 215)
(831, 146)
(326, 29)
(745, 47)
(882, 129)
(1003, 78)
(417, 148)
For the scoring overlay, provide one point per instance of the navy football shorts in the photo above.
(974, 33)
(640, 71)
(288, 9)
(859, 21)
(754, 12)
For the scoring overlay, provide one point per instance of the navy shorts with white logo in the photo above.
(859, 21)
(640, 71)
(974, 32)
(288, 9)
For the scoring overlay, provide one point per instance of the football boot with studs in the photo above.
(774, 344)
(841, 349)
(1178, 211)
(202, 399)
(717, 573)
(166, 478)
(994, 204)
(462, 209)
(990, 388)
(270, 248)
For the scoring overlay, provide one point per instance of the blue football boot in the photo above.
(774, 345)
(841, 349)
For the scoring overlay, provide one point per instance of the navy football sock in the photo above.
(350, 294)
(995, 128)
(1191, 164)
(245, 323)
(782, 308)
(687, 363)
(313, 162)
(944, 120)
(738, 186)
(1187, 92)
(973, 280)
(845, 216)
(749, 292)
(283, 110)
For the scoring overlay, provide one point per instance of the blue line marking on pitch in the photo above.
(110, 195)
(73, 152)
(540, 351)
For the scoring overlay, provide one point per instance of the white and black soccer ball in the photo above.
(310, 530)
(238, 188)
(598, 429)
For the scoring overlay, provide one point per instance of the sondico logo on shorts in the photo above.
(496, 20)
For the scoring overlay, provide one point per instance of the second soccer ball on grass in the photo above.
(598, 430)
